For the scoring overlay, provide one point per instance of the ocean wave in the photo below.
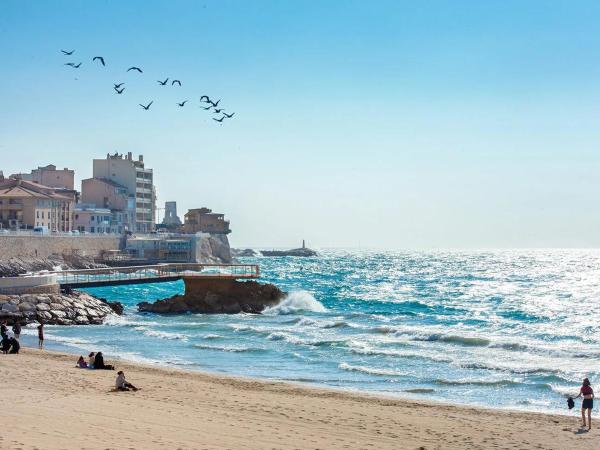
(363, 349)
(212, 336)
(293, 339)
(372, 370)
(477, 382)
(296, 302)
(419, 391)
(162, 334)
(454, 339)
(337, 323)
(228, 348)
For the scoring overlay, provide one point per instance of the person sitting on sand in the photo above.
(587, 393)
(14, 346)
(122, 384)
(99, 363)
(5, 343)
(91, 358)
(81, 363)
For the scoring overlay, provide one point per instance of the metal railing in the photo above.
(154, 273)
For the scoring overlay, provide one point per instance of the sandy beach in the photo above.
(50, 404)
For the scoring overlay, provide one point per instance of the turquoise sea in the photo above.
(507, 329)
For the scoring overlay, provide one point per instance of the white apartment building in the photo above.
(139, 182)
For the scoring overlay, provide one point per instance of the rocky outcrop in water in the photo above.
(14, 267)
(300, 252)
(76, 308)
(218, 297)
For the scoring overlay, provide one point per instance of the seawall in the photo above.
(44, 246)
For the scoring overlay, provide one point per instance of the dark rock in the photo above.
(218, 297)
(300, 252)
(117, 307)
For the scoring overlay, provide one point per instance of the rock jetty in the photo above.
(300, 252)
(14, 267)
(76, 308)
(218, 297)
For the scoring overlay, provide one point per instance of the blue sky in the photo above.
(383, 124)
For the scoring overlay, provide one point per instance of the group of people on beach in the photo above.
(96, 361)
(11, 344)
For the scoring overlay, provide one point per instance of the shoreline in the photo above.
(401, 395)
(179, 408)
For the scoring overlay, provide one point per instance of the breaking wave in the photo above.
(296, 302)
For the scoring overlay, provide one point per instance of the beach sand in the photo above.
(49, 404)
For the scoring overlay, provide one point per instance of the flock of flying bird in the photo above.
(119, 89)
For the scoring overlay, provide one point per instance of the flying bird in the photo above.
(68, 53)
(215, 104)
(219, 120)
(206, 109)
(205, 97)
(162, 83)
(119, 91)
(135, 68)
(182, 103)
(229, 116)
(99, 58)
(175, 81)
(148, 106)
(217, 111)
(75, 66)
(117, 86)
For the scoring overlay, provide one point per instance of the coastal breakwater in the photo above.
(218, 296)
(76, 308)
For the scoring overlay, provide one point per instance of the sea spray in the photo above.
(297, 302)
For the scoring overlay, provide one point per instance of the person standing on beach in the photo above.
(17, 329)
(587, 393)
(41, 335)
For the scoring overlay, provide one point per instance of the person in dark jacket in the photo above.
(17, 329)
(14, 346)
(5, 344)
(99, 363)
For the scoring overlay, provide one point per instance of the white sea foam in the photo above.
(296, 302)
(372, 370)
(162, 334)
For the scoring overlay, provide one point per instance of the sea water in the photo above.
(507, 329)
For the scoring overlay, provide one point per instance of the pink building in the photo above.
(105, 193)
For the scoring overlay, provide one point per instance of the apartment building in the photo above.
(137, 179)
(27, 204)
(113, 196)
(205, 221)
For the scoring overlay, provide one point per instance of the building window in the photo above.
(92, 218)
(92, 229)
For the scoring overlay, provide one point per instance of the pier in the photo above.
(158, 273)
